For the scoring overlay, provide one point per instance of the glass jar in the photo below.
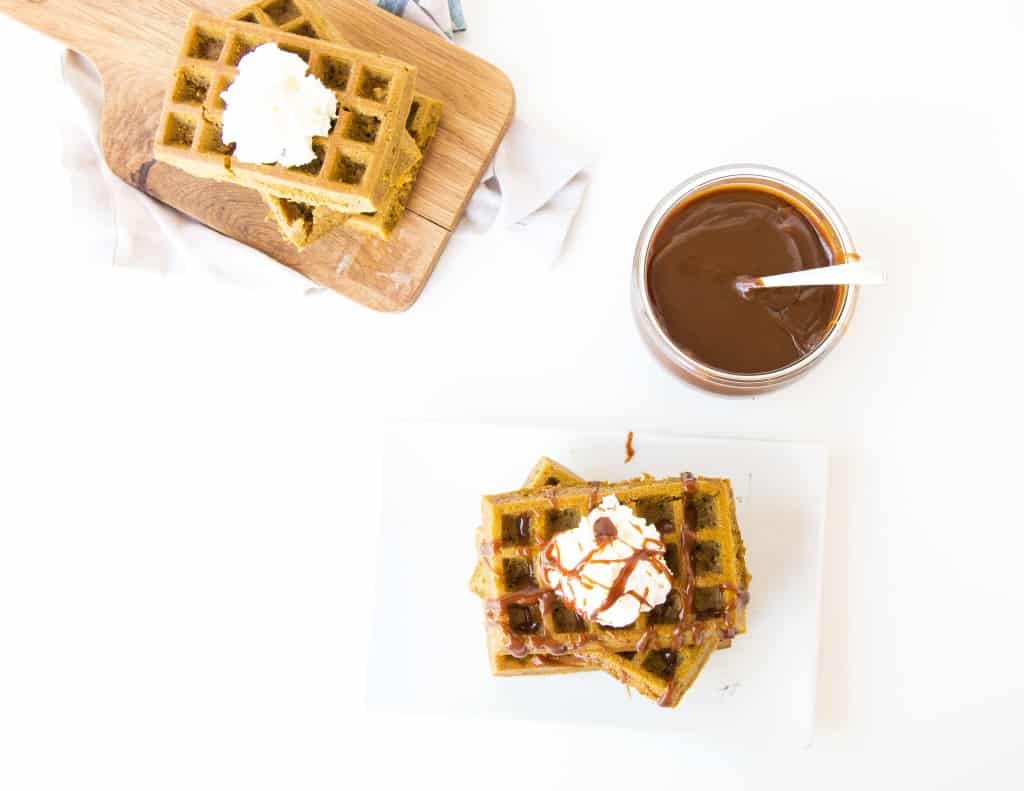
(795, 191)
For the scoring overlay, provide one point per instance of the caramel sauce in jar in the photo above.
(712, 234)
(700, 249)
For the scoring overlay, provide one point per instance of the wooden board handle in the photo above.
(96, 28)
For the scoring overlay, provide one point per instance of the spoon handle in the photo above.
(855, 274)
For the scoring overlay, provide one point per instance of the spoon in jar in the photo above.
(857, 273)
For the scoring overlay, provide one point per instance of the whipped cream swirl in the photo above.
(274, 109)
(611, 567)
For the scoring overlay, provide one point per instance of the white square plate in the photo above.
(427, 650)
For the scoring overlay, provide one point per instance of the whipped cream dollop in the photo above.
(611, 567)
(274, 109)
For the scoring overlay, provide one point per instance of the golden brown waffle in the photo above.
(303, 18)
(353, 170)
(704, 551)
(292, 16)
(546, 472)
(424, 119)
(661, 670)
(626, 666)
(304, 223)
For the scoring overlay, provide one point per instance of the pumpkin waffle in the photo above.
(304, 223)
(354, 166)
(662, 670)
(303, 18)
(546, 472)
(657, 672)
(664, 649)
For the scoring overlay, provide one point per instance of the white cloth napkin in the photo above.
(529, 195)
(117, 225)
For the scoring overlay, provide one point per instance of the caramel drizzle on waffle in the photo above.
(651, 551)
(688, 625)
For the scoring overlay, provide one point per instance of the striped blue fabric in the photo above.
(396, 7)
(458, 19)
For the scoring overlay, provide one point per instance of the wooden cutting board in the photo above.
(133, 45)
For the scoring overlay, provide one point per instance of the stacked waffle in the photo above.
(532, 630)
(364, 169)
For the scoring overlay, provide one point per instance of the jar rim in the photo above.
(753, 174)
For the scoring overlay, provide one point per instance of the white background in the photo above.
(188, 474)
